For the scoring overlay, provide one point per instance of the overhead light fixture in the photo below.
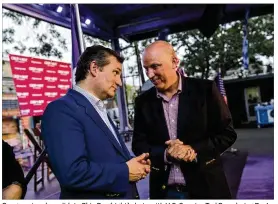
(88, 21)
(59, 9)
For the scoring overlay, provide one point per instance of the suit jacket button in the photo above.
(163, 187)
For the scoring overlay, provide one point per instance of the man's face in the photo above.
(109, 78)
(160, 68)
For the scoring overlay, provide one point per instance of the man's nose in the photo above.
(150, 74)
(119, 81)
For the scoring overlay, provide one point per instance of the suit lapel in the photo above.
(98, 120)
(184, 109)
(159, 117)
(93, 114)
(120, 138)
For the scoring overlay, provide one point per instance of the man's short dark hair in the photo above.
(96, 53)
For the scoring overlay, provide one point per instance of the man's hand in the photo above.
(173, 142)
(179, 151)
(146, 160)
(138, 167)
(191, 155)
(12, 192)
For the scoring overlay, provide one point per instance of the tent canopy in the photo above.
(134, 22)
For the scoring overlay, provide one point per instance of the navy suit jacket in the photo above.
(86, 158)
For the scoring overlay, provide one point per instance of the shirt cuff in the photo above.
(165, 157)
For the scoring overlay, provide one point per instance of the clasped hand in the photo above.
(139, 167)
(180, 152)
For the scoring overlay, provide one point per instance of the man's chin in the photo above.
(111, 94)
(159, 87)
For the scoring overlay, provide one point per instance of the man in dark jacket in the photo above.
(185, 125)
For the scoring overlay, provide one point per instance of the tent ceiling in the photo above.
(137, 21)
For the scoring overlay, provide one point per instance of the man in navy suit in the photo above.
(89, 158)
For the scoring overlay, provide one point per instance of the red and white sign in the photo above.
(38, 82)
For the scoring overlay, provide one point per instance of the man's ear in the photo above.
(176, 62)
(93, 68)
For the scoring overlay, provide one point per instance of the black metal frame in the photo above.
(39, 160)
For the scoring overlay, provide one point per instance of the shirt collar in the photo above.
(92, 98)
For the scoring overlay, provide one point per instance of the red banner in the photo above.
(38, 82)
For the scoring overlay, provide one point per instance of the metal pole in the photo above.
(34, 168)
(245, 41)
(140, 69)
(76, 38)
(121, 98)
(79, 29)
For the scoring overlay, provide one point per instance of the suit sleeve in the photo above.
(221, 134)
(140, 142)
(66, 147)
